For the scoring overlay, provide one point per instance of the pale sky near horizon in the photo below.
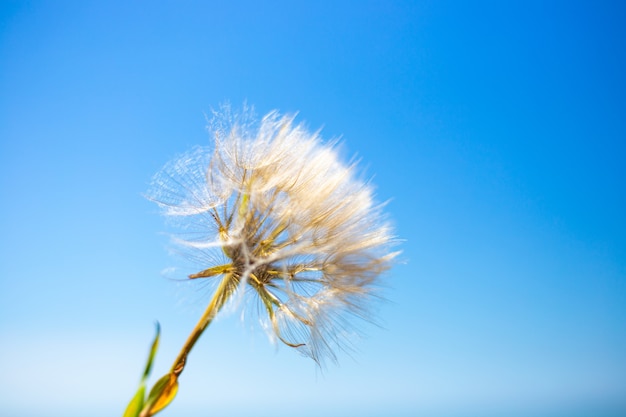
(496, 131)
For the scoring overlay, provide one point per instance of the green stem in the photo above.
(222, 294)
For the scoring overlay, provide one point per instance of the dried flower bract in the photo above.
(292, 223)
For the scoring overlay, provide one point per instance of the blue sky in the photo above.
(496, 130)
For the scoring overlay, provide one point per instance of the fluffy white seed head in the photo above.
(292, 222)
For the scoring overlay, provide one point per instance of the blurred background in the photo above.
(496, 131)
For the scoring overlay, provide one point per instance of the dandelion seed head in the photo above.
(293, 224)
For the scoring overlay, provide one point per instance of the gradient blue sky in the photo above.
(497, 130)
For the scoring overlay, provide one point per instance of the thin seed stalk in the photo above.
(222, 294)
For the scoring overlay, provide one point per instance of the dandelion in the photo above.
(285, 223)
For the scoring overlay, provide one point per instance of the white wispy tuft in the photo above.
(292, 222)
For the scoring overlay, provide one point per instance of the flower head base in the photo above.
(291, 222)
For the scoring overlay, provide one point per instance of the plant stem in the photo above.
(222, 294)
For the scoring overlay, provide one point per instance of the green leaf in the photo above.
(161, 394)
(153, 350)
(136, 404)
